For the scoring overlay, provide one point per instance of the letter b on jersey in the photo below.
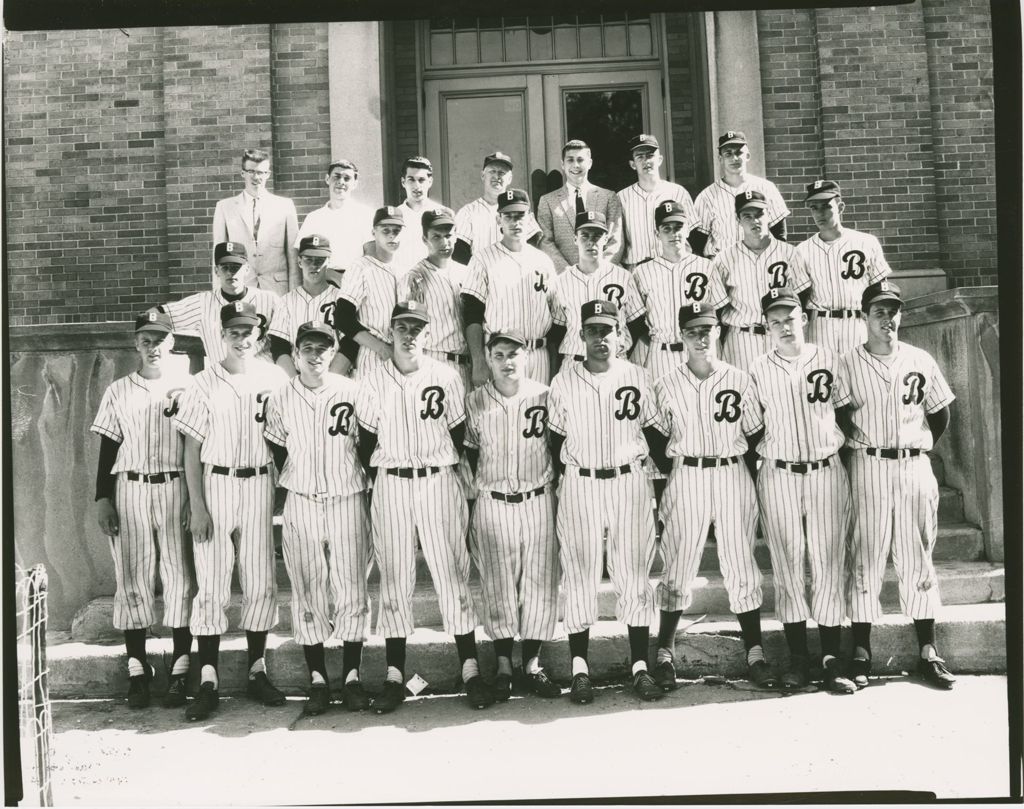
(914, 383)
(342, 413)
(728, 402)
(629, 403)
(174, 394)
(433, 402)
(536, 417)
(821, 382)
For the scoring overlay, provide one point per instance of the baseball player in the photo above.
(841, 263)
(513, 542)
(747, 270)
(368, 292)
(417, 179)
(142, 504)
(899, 408)
(506, 289)
(640, 200)
(411, 415)
(669, 282)
(199, 314)
(476, 223)
(802, 490)
(230, 489)
(708, 412)
(602, 420)
(312, 425)
(715, 226)
(592, 278)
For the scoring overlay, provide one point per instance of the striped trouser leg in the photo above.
(872, 489)
(538, 365)
(304, 540)
(743, 347)
(631, 547)
(915, 531)
(168, 500)
(538, 586)
(256, 554)
(215, 557)
(838, 335)
(781, 503)
(686, 508)
(348, 542)
(134, 556)
(579, 526)
(394, 546)
(496, 553)
(827, 509)
(735, 515)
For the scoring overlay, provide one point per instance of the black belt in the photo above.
(413, 471)
(451, 356)
(755, 329)
(241, 471)
(704, 463)
(158, 477)
(673, 346)
(540, 342)
(838, 313)
(577, 357)
(604, 474)
(893, 454)
(518, 497)
(804, 466)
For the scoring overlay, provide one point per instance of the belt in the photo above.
(673, 346)
(240, 471)
(604, 474)
(755, 329)
(893, 454)
(413, 471)
(704, 463)
(577, 357)
(159, 477)
(540, 342)
(838, 313)
(804, 466)
(518, 497)
(451, 356)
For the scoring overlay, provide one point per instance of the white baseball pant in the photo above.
(742, 347)
(838, 335)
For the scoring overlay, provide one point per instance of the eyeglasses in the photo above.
(254, 173)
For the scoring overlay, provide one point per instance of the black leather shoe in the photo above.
(502, 687)
(261, 690)
(760, 674)
(935, 673)
(204, 704)
(390, 696)
(318, 700)
(138, 689)
(645, 687)
(175, 696)
(664, 675)
(859, 671)
(581, 690)
(834, 679)
(798, 674)
(478, 693)
(542, 685)
(355, 697)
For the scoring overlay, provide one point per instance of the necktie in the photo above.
(255, 219)
(580, 207)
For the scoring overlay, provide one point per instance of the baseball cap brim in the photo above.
(441, 222)
(733, 142)
(318, 336)
(780, 303)
(504, 337)
(708, 319)
(594, 225)
(241, 320)
(163, 328)
(753, 203)
(232, 260)
(610, 320)
(513, 207)
(491, 161)
(830, 194)
(679, 216)
(422, 317)
(315, 251)
(883, 296)
(390, 220)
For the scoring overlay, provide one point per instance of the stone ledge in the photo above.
(950, 304)
(77, 337)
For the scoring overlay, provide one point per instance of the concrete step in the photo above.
(971, 638)
(959, 583)
(951, 506)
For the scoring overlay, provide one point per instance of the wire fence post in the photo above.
(33, 684)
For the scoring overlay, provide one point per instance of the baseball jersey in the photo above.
(663, 287)
(412, 414)
(841, 270)
(602, 416)
(319, 428)
(411, 247)
(715, 209)
(438, 289)
(513, 286)
(199, 315)
(298, 307)
(573, 288)
(476, 223)
(707, 418)
(638, 218)
(137, 413)
(372, 287)
(226, 413)
(511, 434)
(747, 276)
(798, 399)
(889, 401)
(347, 228)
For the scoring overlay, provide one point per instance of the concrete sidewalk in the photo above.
(704, 739)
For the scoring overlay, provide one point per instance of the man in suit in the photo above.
(265, 223)
(558, 210)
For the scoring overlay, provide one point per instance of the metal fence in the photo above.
(33, 690)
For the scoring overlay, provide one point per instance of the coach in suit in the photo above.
(265, 223)
(557, 211)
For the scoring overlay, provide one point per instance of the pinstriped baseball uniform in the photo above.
(225, 412)
(514, 545)
(895, 501)
(573, 288)
(476, 223)
(638, 218)
(372, 287)
(513, 286)
(136, 412)
(412, 416)
(840, 271)
(602, 417)
(298, 306)
(705, 419)
(746, 276)
(326, 519)
(663, 287)
(715, 209)
(799, 399)
(199, 315)
(438, 289)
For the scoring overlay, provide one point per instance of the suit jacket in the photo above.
(556, 215)
(271, 258)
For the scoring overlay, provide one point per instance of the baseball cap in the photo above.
(153, 321)
(592, 219)
(508, 336)
(230, 253)
(750, 199)
(315, 328)
(388, 215)
(417, 162)
(697, 314)
(599, 312)
(669, 211)
(239, 313)
(515, 199)
(779, 296)
(498, 157)
(437, 217)
(731, 137)
(880, 291)
(822, 189)
(643, 142)
(315, 245)
(410, 310)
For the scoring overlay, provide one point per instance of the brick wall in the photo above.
(687, 142)
(402, 115)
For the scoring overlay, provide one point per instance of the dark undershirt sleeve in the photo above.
(105, 478)
(472, 310)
